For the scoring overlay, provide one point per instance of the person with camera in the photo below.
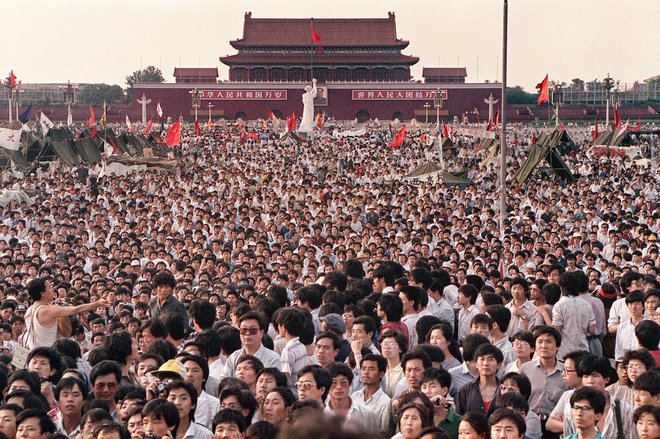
(435, 384)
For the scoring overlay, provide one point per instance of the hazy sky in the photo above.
(104, 41)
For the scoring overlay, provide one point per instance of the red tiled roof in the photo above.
(293, 32)
(204, 72)
(302, 59)
(430, 72)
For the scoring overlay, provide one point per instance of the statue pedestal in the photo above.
(305, 135)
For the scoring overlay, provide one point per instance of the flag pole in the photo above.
(311, 51)
(503, 132)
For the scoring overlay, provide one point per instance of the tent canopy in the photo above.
(545, 147)
(618, 137)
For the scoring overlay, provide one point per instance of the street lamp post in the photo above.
(426, 108)
(10, 96)
(196, 100)
(608, 84)
(437, 102)
(557, 97)
(69, 99)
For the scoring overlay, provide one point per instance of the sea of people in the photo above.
(283, 288)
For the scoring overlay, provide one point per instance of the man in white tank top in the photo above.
(41, 317)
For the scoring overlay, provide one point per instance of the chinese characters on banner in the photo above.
(396, 95)
(244, 95)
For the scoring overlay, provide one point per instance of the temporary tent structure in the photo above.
(545, 147)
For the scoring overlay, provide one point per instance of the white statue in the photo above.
(307, 122)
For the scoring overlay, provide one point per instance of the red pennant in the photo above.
(617, 118)
(594, 133)
(197, 128)
(90, 121)
(93, 133)
(319, 120)
(398, 139)
(542, 87)
(315, 37)
(445, 131)
(146, 132)
(173, 136)
(12, 79)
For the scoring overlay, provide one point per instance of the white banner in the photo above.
(10, 139)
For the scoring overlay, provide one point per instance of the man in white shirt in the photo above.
(339, 402)
(438, 306)
(252, 327)
(411, 298)
(372, 370)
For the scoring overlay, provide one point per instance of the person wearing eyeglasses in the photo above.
(587, 406)
(341, 404)
(105, 378)
(313, 384)
(252, 326)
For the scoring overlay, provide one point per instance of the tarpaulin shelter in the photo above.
(430, 169)
(545, 148)
(617, 137)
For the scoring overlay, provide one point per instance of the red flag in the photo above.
(271, 116)
(617, 119)
(115, 150)
(319, 120)
(173, 136)
(146, 132)
(90, 121)
(445, 131)
(93, 133)
(197, 128)
(497, 118)
(542, 87)
(594, 132)
(533, 139)
(291, 122)
(315, 37)
(490, 125)
(12, 79)
(398, 139)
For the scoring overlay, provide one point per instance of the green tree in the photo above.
(96, 94)
(577, 84)
(517, 95)
(150, 74)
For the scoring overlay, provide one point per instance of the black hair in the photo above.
(595, 397)
(310, 295)
(336, 369)
(470, 345)
(175, 325)
(286, 394)
(109, 427)
(68, 384)
(469, 291)
(36, 287)
(399, 338)
(523, 383)
(414, 294)
(105, 367)
(505, 413)
(416, 354)
(280, 378)
(246, 400)
(392, 306)
(155, 326)
(162, 347)
(262, 430)
(163, 278)
(30, 378)
(381, 362)
(489, 349)
(292, 320)
(386, 272)
(641, 355)
(209, 343)
(591, 364)
(46, 425)
(163, 409)
(52, 354)
(500, 315)
(514, 401)
(118, 346)
(424, 325)
(95, 415)
(478, 422)
(203, 313)
(647, 409)
(437, 374)
(189, 388)
(321, 376)
(229, 416)
(649, 381)
(201, 362)
(68, 348)
(482, 319)
(549, 330)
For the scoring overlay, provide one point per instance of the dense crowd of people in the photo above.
(269, 288)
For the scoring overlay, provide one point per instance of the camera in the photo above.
(150, 436)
